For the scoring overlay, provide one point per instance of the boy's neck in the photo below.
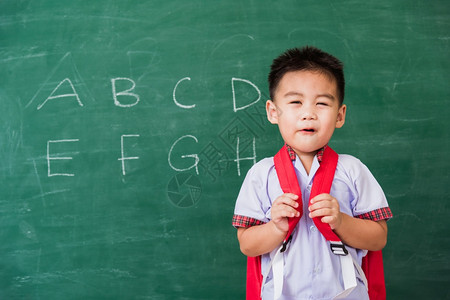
(307, 160)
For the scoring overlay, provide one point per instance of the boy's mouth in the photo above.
(308, 130)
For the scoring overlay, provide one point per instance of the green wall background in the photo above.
(97, 200)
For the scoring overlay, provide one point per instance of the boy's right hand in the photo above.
(284, 207)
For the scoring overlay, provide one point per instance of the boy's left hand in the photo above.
(327, 207)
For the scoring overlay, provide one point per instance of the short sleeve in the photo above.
(369, 201)
(253, 201)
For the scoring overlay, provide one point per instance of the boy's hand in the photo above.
(327, 207)
(284, 207)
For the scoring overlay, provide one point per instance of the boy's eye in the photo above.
(295, 102)
(322, 103)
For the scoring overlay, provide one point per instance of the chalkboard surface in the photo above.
(127, 127)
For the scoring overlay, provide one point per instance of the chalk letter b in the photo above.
(124, 93)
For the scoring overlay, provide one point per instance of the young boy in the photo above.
(307, 91)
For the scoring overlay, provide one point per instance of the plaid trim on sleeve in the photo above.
(377, 214)
(243, 221)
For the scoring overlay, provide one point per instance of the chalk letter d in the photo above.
(235, 108)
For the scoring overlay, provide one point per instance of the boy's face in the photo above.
(306, 109)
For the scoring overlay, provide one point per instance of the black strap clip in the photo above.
(338, 248)
(285, 243)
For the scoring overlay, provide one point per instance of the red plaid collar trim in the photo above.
(293, 155)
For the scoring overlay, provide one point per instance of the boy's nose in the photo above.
(307, 114)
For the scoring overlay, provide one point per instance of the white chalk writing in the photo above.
(238, 158)
(50, 158)
(123, 158)
(175, 98)
(124, 93)
(194, 156)
(235, 108)
(74, 94)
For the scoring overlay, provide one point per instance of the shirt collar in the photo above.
(293, 155)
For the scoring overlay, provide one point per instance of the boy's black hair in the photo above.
(307, 59)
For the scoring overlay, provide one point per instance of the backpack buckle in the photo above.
(285, 243)
(338, 248)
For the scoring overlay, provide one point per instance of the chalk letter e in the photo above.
(49, 158)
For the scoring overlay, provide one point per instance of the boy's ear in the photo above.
(271, 110)
(341, 116)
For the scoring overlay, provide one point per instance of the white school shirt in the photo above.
(311, 270)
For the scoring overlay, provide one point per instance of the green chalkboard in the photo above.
(127, 127)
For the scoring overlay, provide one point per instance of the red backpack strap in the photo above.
(372, 265)
(323, 179)
(288, 182)
(254, 278)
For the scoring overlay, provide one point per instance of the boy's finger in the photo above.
(286, 210)
(318, 212)
(321, 197)
(291, 196)
(288, 200)
(291, 212)
(318, 205)
(329, 205)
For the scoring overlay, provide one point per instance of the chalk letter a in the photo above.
(52, 96)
